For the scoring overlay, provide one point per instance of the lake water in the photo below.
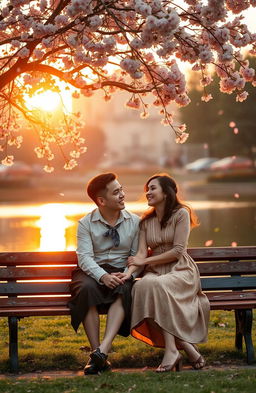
(52, 226)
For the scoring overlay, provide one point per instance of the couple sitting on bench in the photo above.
(166, 308)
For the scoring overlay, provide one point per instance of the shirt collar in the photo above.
(96, 216)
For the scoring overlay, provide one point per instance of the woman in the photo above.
(169, 309)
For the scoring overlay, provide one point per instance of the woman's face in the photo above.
(154, 194)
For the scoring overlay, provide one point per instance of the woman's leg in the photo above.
(172, 356)
(192, 352)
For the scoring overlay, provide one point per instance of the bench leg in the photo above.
(248, 336)
(13, 343)
(244, 330)
(239, 329)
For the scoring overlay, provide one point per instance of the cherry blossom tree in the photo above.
(111, 45)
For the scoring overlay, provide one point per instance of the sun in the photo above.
(47, 101)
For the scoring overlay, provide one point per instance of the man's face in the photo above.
(114, 197)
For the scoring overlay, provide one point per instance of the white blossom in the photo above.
(23, 53)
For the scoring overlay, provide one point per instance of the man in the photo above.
(106, 238)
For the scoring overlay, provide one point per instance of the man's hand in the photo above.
(123, 276)
(111, 280)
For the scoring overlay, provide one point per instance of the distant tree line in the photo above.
(228, 127)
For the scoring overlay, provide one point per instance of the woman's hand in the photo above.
(136, 261)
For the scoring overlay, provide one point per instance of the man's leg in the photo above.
(91, 325)
(115, 318)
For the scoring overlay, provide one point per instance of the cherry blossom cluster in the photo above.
(132, 45)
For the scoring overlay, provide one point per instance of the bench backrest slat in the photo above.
(38, 258)
(33, 273)
(222, 253)
(41, 288)
(219, 283)
(222, 268)
(60, 272)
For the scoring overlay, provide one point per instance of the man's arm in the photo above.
(86, 261)
(85, 253)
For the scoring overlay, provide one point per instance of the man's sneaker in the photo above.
(91, 368)
(99, 358)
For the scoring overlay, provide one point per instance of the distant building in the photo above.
(130, 140)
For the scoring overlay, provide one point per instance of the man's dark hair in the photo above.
(97, 186)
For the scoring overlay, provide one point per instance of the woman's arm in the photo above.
(136, 262)
(181, 235)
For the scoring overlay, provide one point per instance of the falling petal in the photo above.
(205, 145)
(232, 124)
(234, 244)
(236, 195)
(208, 243)
(236, 131)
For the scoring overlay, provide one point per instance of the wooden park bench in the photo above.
(37, 284)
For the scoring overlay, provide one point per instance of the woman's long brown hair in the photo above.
(172, 202)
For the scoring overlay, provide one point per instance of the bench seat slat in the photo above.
(64, 310)
(42, 273)
(35, 311)
(233, 295)
(233, 305)
(39, 288)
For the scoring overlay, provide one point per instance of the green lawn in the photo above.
(48, 343)
(236, 381)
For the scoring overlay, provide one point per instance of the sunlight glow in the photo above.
(47, 101)
(50, 101)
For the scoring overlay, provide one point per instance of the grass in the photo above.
(49, 343)
(235, 381)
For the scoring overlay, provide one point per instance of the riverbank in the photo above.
(71, 187)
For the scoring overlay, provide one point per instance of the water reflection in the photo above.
(52, 226)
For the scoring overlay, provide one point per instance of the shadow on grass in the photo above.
(65, 361)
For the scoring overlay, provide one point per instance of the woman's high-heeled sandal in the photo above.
(177, 365)
(199, 363)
